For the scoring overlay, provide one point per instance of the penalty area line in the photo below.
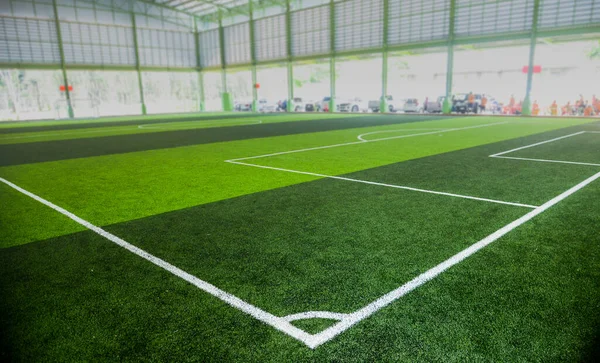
(385, 185)
(363, 313)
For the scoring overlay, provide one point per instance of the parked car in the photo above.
(266, 106)
(434, 106)
(324, 104)
(301, 105)
(460, 103)
(244, 105)
(411, 105)
(354, 105)
(392, 105)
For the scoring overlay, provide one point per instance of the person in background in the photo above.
(588, 109)
(471, 100)
(566, 109)
(484, 101)
(554, 108)
(535, 109)
(425, 104)
(595, 104)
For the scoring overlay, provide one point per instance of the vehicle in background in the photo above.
(266, 106)
(460, 103)
(324, 104)
(411, 105)
(354, 105)
(392, 105)
(434, 106)
(301, 105)
(244, 105)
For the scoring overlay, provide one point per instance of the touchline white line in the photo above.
(278, 323)
(385, 185)
(390, 297)
(364, 141)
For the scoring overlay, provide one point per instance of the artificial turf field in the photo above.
(300, 238)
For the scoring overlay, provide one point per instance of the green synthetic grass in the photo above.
(39, 136)
(287, 246)
(116, 188)
(12, 124)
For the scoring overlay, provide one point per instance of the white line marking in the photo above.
(211, 123)
(361, 138)
(390, 297)
(315, 314)
(545, 160)
(107, 129)
(593, 132)
(385, 185)
(538, 143)
(362, 142)
(278, 323)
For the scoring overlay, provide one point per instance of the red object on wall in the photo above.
(257, 85)
(536, 69)
(70, 88)
(62, 88)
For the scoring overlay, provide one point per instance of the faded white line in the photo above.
(545, 160)
(362, 142)
(278, 323)
(153, 126)
(361, 136)
(385, 185)
(392, 296)
(108, 129)
(538, 143)
(315, 314)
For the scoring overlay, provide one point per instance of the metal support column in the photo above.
(383, 107)
(253, 58)
(290, 67)
(61, 52)
(447, 106)
(199, 67)
(332, 59)
(526, 109)
(226, 96)
(137, 59)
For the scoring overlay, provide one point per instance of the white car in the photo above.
(411, 105)
(392, 105)
(353, 105)
(266, 106)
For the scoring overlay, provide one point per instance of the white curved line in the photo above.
(360, 137)
(315, 315)
(153, 126)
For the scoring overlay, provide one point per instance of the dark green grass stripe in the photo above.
(137, 121)
(25, 153)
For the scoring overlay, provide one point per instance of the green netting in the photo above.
(237, 43)
(412, 21)
(166, 48)
(477, 17)
(270, 38)
(311, 31)
(566, 13)
(358, 24)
